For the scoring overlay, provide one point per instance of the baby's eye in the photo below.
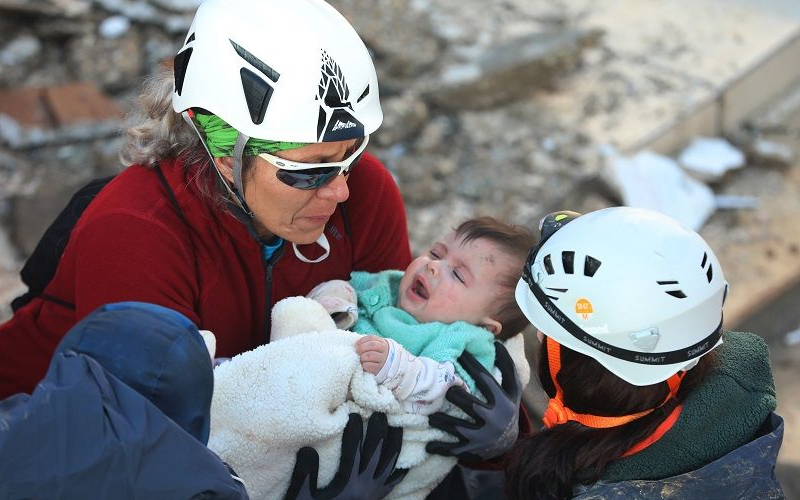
(434, 254)
(458, 277)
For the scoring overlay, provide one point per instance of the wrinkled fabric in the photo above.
(157, 352)
(746, 472)
(83, 434)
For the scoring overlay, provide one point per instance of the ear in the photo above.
(492, 325)
(224, 165)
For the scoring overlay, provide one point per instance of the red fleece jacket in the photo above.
(131, 245)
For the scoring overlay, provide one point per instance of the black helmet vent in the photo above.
(677, 293)
(548, 264)
(568, 261)
(590, 266)
(257, 93)
(363, 94)
(710, 270)
(179, 66)
(559, 290)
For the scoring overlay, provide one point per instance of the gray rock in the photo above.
(766, 152)
(436, 135)
(20, 49)
(111, 64)
(400, 35)
(146, 13)
(188, 6)
(403, 117)
(60, 171)
(55, 8)
(420, 178)
(114, 27)
(511, 71)
(22, 137)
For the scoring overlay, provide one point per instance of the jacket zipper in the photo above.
(269, 264)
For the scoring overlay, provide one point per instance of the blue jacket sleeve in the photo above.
(84, 434)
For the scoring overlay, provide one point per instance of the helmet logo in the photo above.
(340, 125)
(584, 308)
(336, 121)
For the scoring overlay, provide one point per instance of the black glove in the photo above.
(366, 471)
(496, 422)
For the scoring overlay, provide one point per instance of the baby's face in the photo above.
(453, 281)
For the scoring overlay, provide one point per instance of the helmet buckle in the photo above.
(645, 340)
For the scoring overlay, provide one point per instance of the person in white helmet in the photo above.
(648, 397)
(247, 181)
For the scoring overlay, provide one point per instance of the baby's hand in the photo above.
(373, 352)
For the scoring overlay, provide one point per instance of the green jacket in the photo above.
(721, 415)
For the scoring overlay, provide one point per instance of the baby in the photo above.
(458, 296)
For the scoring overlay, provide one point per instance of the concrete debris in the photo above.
(401, 35)
(20, 49)
(656, 182)
(36, 116)
(51, 8)
(775, 118)
(146, 13)
(403, 117)
(734, 202)
(709, 158)
(114, 27)
(512, 70)
(771, 153)
(792, 338)
(178, 5)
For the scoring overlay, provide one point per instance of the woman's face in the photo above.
(296, 215)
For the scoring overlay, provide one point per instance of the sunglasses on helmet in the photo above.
(308, 176)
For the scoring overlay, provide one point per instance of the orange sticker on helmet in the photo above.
(584, 308)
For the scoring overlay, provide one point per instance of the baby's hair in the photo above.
(516, 241)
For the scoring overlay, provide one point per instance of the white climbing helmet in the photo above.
(284, 70)
(631, 288)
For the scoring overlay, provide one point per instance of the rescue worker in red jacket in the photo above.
(248, 181)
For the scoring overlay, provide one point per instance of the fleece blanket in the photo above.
(298, 391)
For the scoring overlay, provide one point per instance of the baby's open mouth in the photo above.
(419, 289)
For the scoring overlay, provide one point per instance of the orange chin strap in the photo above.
(557, 413)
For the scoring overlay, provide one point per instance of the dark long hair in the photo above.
(547, 465)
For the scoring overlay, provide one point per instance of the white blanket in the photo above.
(299, 390)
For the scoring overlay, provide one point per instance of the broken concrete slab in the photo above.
(709, 158)
(680, 72)
(512, 70)
(52, 8)
(45, 115)
(656, 182)
(771, 153)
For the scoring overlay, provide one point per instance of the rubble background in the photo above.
(473, 121)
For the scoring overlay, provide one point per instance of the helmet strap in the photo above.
(237, 165)
(238, 186)
(558, 413)
(321, 241)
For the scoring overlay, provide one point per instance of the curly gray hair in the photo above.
(161, 133)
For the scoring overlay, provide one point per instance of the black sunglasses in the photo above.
(308, 176)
